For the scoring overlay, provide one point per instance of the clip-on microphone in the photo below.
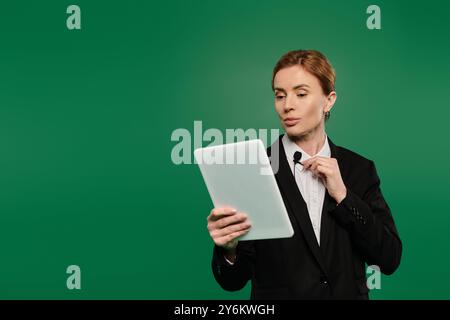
(297, 157)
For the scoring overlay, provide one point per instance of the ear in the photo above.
(331, 99)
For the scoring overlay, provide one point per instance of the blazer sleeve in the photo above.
(369, 221)
(234, 277)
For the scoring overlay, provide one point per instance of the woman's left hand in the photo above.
(328, 170)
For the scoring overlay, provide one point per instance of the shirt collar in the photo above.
(291, 147)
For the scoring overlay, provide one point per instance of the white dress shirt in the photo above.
(311, 187)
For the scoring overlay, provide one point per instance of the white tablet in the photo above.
(239, 175)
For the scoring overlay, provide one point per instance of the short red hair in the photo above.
(312, 61)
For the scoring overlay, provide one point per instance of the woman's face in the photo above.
(300, 101)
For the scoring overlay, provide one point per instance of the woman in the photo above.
(340, 218)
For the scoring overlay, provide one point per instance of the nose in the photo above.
(289, 103)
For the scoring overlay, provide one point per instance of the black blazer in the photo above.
(359, 230)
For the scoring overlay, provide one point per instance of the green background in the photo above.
(86, 118)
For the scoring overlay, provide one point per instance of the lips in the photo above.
(291, 121)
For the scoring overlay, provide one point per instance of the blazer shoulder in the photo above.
(355, 163)
(348, 154)
(358, 172)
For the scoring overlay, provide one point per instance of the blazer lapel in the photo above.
(299, 208)
(328, 204)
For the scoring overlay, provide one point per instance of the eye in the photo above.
(301, 95)
(279, 97)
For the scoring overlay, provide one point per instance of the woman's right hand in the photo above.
(225, 225)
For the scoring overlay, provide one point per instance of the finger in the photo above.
(313, 159)
(308, 163)
(316, 172)
(319, 160)
(313, 165)
(305, 163)
(221, 212)
(327, 162)
(324, 160)
(326, 171)
(224, 222)
(231, 229)
(231, 236)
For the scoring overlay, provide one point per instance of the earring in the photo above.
(327, 114)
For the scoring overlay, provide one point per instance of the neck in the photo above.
(311, 142)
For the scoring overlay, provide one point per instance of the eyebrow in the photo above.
(294, 88)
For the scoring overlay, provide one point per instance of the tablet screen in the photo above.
(239, 175)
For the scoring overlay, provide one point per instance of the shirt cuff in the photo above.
(229, 262)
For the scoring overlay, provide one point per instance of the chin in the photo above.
(294, 131)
